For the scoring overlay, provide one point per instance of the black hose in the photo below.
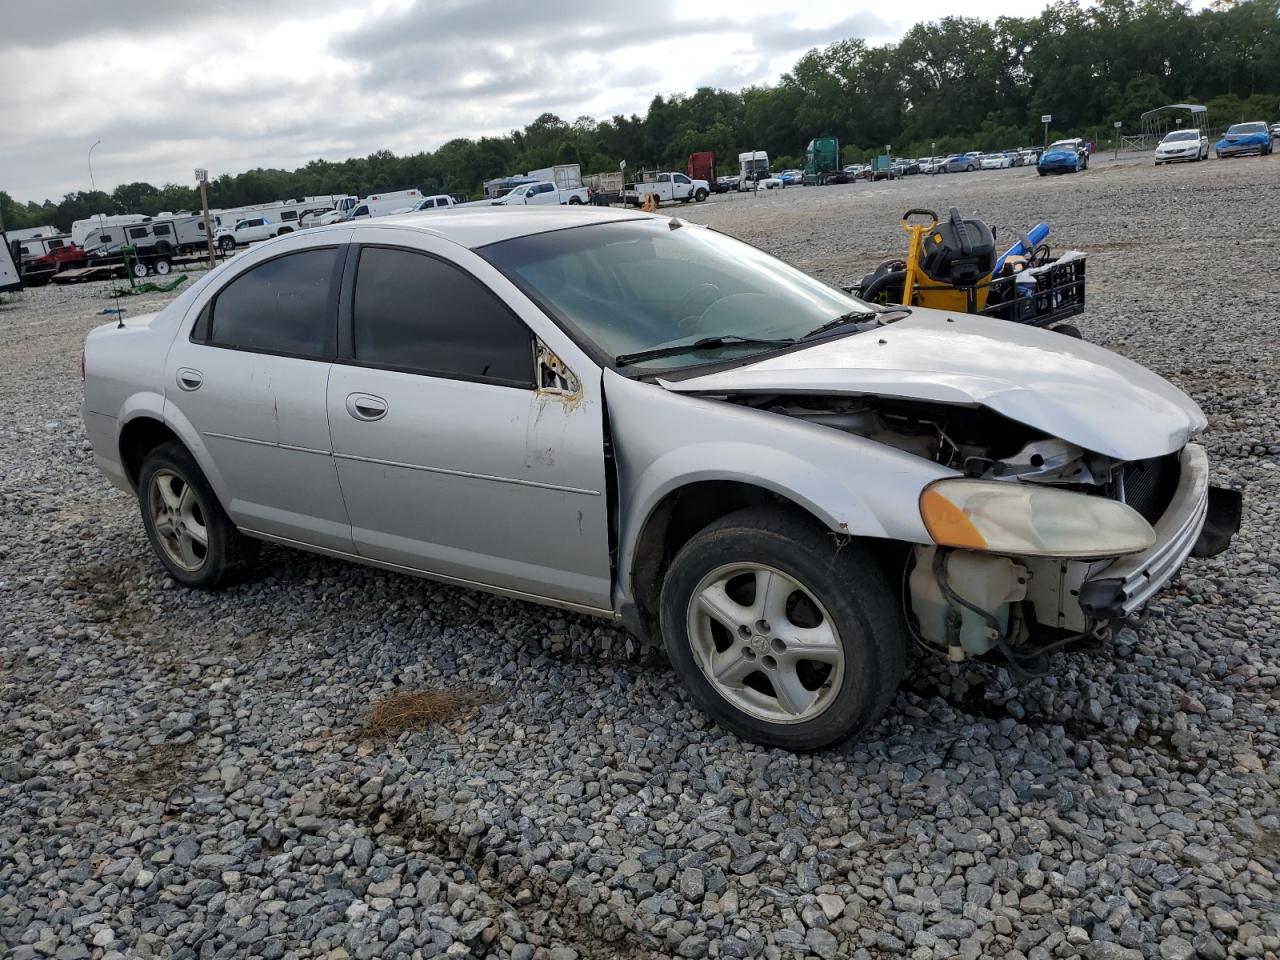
(898, 277)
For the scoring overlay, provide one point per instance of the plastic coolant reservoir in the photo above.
(986, 581)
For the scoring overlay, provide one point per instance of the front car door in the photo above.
(248, 373)
(459, 454)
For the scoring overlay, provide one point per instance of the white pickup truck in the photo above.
(666, 187)
(542, 192)
(250, 230)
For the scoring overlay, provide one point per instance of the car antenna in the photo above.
(118, 311)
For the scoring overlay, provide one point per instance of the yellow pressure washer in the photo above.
(948, 266)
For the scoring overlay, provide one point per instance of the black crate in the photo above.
(1059, 294)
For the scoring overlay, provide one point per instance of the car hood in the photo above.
(1067, 388)
(1241, 138)
(1175, 145)
(1058, 155)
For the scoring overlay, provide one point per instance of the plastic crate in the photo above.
(1059, 294)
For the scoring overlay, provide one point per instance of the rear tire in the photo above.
(575, 201)
(227, 244)
(162, 266)
(742, 654)
(179, 509)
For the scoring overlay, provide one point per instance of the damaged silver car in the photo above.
(645, 420)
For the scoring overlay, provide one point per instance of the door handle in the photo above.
(365, 406)
(189, 379)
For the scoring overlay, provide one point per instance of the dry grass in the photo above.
(399, 712)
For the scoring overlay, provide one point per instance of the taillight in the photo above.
(82, 363)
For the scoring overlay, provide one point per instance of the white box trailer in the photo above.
(381, 204)
(566, 176)
(10, 278)
(32, 233)
(40, 246)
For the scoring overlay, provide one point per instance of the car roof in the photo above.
(481, 225)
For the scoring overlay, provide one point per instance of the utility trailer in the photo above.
(129, 260)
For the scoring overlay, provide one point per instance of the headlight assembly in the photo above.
(1030, 520)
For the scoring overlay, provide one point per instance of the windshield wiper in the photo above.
(854, 317)
(706, 343)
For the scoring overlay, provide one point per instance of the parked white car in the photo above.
(251, 230)
(652, 422)
(1182, 145)
(995, 161)
(542, 193)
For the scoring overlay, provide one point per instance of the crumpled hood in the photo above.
(1067, 388)
(1054, 156)
(1244, 139)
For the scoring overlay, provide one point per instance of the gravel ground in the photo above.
(188, 775)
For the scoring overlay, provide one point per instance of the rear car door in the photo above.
(250, 376)
(455, 459)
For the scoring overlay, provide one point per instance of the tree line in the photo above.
(956, 84)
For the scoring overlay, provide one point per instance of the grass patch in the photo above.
(419, 709)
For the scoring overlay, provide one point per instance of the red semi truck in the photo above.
(702, 166)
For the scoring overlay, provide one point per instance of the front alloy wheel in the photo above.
(765, 643)
(782, 632)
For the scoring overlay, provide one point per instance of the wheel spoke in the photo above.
(772, 590)
(811, 643)
(196, 532)
(187, 547)
(165, 526)
(187, 501)
(719, 606)
(730, 668)
(791, 693)
(164, 484)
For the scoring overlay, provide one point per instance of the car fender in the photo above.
(177, 421)
(664, 441)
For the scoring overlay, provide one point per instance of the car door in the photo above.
(543, 193)
(457, 456)
(249, 376)
(683, 186)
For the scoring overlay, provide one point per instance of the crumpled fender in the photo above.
(664, 441)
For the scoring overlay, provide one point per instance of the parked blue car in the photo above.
(1064, 156)
(1242, 138)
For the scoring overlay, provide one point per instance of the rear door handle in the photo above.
(365, 406)
(189, 379)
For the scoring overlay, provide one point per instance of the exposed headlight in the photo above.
(1030, 520)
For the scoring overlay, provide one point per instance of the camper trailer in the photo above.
(82, 229)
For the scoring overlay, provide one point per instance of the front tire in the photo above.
(189, 531)
(783, 633)
(227, 244)
(700, 195)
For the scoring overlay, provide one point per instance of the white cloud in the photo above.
(252, 84)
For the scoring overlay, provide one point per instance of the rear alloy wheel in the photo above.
(162, 266)
(781, 634)
(188, 529)
(138, 269)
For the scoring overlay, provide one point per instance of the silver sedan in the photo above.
(645, 420)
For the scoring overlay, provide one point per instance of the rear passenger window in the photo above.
(414, 312)
(281, 306)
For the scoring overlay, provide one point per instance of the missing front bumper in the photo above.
(1199, 521)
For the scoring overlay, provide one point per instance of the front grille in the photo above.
(1149, 485)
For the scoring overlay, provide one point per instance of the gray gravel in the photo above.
(184, 774)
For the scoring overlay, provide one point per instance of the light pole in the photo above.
(92, 184)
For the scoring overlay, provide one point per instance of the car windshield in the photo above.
(637, 285)
(1248, 128)
(1182, 135)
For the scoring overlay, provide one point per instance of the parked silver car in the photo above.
(646, 420)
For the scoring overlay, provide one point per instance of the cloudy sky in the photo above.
(169, 85)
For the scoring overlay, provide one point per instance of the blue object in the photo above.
(1059, 160)
(1244, 138)
(1036, 235)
